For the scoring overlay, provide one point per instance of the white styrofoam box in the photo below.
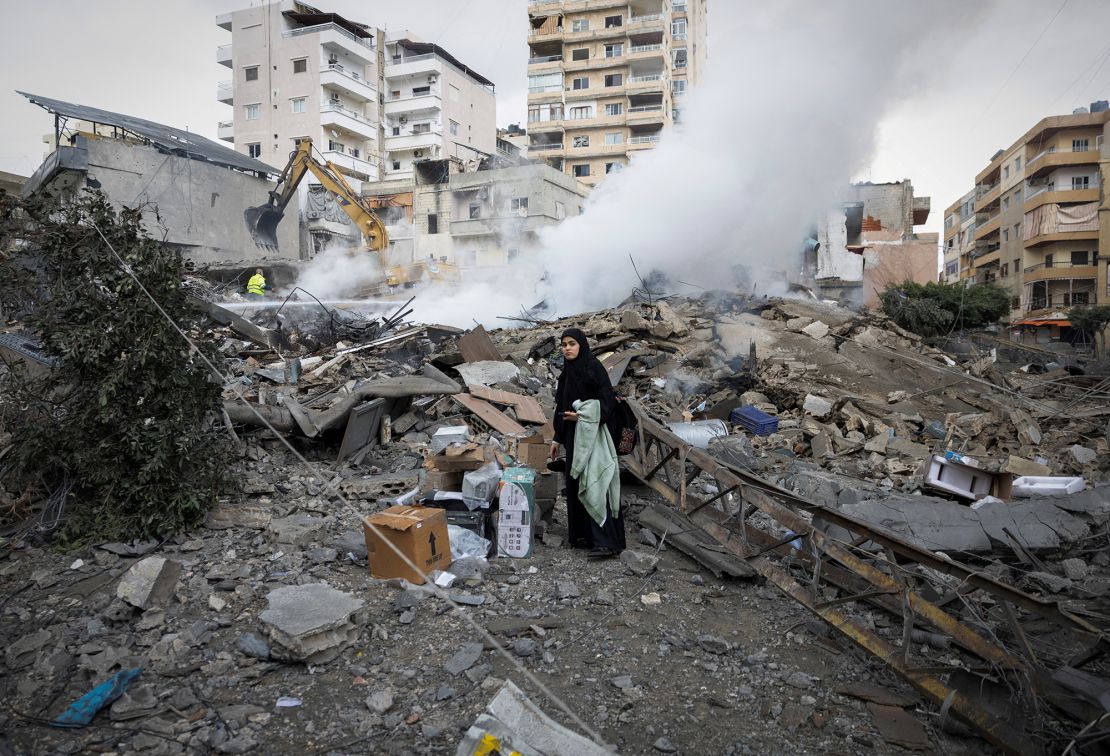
(1029, 486)
(957, 479)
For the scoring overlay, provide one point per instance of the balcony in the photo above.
(552, 125)
(343, 80)
(988, 258)
(645, 19)
(225, 131)
(646, 52)
(1051, 194)
(987, 195)
(1048, 271)
(1052, 158)
(223, 55)
(538, 35)
(335, 35)
(225, 92)
(643, 142)
(351, 164)
(646, 114)
(414, 141)
(646, 83)
(987, 226)
(1059, 236)
(544, 147)
(408, 103)
(224, 21)
(1043, 303)
(543, 60)
(334, 114)
(429, 64)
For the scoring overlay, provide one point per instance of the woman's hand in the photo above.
(554, 451)
(570, 417)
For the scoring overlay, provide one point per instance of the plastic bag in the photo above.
(466, 543)
(481, 484)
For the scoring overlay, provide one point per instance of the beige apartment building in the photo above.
(374, 105)
(959, 237)
(606, 77)
(1042, 223)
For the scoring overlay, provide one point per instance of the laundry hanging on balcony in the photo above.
(1058, 219)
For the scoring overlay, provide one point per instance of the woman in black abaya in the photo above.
(584, 378)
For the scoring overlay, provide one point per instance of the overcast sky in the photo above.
(1023, 60)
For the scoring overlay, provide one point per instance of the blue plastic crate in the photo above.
(754, 421)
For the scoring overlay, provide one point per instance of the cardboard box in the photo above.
(516, 513)
(420, 533)
(445, 480)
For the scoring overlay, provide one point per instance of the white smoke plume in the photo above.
(787, 113)
(340, 272)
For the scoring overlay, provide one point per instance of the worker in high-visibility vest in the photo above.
(256, 286)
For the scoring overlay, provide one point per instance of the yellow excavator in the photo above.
(262, 221)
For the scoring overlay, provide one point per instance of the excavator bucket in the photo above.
(262, 222)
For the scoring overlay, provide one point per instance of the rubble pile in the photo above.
(265, 628)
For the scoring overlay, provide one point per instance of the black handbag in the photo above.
(627, 435)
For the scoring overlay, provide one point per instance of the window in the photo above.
(614, 137)
(421, 128)
(552, 82)
(518, 203)
(475, 210)
(582, 141)
(250, 73)
(680, 58)
(614, 109)
(395, 94)
(252, 111)
(298, 104)
(1005, 234)
(1080, 257)
(949, 221)
(335, 146)
(1080, 298)
(581, 171)
(614, 80)
(396, 165)
(1080, 145)
(1017, 163)
(582, 53)
(952, 268)
(582, 111)
(353, 152)
(580, 83)
(300, 65)
(1048, 260)
(1017, 231)
(396, 131)
(613, 21)
(1005, 171)
(614, 51)
(1005, 203)
(560, 210)
(678, 28)
(298, 141)
(433, 223)
(678, 86)
(679, 6)
(1080, 182)
(610, 167)
(421, 91)
(1005, 270)
(254, 149)
(453, 126)
(580, 25)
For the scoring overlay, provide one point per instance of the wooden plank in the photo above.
(476, 346)
(492, 416)
(528, 410)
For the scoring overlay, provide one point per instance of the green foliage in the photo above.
(1089, 320)
(125, 416)
(933, 309)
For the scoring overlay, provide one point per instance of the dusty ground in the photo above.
(741, 696)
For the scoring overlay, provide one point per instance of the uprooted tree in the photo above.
(118, 436)
(934, 309)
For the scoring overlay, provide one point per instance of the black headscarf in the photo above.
(582, 378)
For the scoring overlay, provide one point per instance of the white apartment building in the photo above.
(371, 105)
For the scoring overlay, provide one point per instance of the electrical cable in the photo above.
(457, 608)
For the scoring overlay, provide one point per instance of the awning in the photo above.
(1042, 322)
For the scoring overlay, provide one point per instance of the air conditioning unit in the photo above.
(403, 119)
(334, 97)
(418, 153)
(432, 78)
(333, 59)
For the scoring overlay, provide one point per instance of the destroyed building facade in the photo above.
(605, 79)
(198, 187)
(373, 104)
(1042, 222)
(473, 218)
(868, 241)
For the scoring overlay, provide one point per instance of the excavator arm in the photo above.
(262, 221)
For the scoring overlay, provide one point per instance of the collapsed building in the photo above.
(868, 241)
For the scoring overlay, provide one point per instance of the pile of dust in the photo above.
(787, 113)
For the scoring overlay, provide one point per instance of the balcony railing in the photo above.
(545, 59)
(1062, 264)
(643, 19)
(645, 109)
(649, 77)
(984, 189)
(541, 147)
(328, 27)
(643, 139)
(338, 68)
(545, 88)
(335, 107)
(408, 95)
(534, 32)
(1054, 188)
(225, 124)
(644, 48)
(679, 35)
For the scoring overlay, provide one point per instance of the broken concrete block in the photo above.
(225, 516)
(310, 623)
(149, 583)
(877, 444)
(821, 446)
(631, 320)
(816, 330)
(21, 653)
(1049, 582)
(297, 530)
(465, 658)
(639, 563)
(797, 324)
(1020, 466)
(487, 372)
(908, 448)
(817, 406)
(1074, 568)
(1029, 433)
(1082, 454)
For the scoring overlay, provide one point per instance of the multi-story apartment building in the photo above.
(605, 77)
(1042, 225)
(959, 237)
(373, 105)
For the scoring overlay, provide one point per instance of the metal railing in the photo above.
(545, 59)
(335, 107)
(328, 27)
(679, 35)
(984, 189)
(225, 124)
(432, 92)
(1062, 264)
(545, 88)
(649, 77)
(397, 61)
(644, 48)
(646, 109)
(339, 69)
(643, 139)
(1054, 188)
(541, 147)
